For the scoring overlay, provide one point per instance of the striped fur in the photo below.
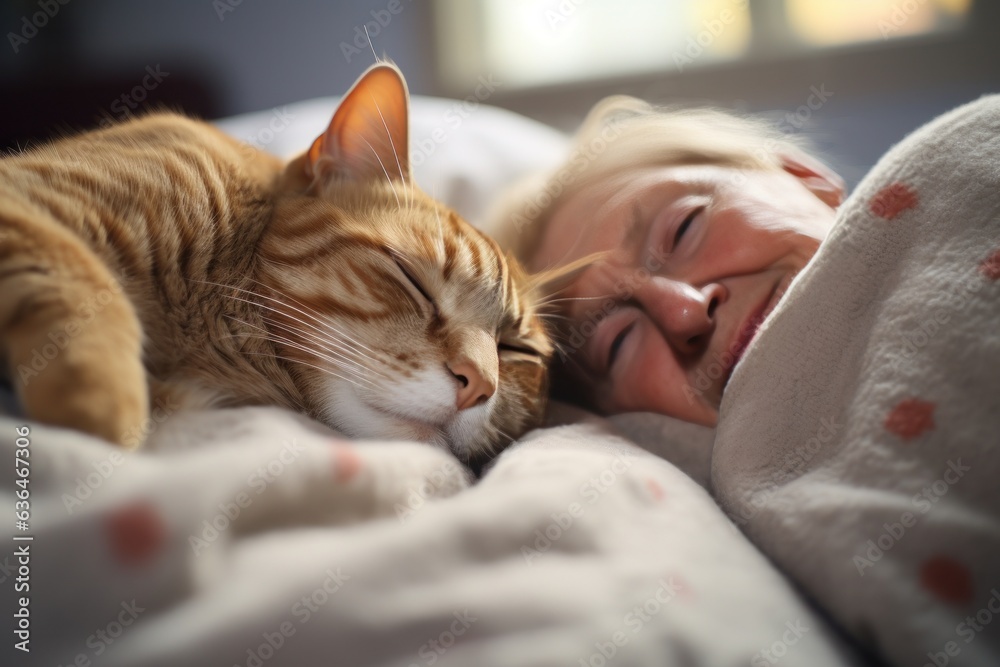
(160, 263)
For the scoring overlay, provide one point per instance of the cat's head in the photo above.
(398, 319)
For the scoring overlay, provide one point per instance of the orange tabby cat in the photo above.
(162, 260)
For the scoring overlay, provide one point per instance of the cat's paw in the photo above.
(105, 397)
(94, 382)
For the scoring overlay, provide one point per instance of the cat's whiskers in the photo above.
(499, 430)
(384, 171)
(557, 347)
(292, 344)
(549, 294)
(344, 340)
(536, 281)
(437, 214)
(316, 316)
(346, 365)
(304, 363)
(579, 366)
(343, 349)
(334, 335)
(343, 359)
(354, 377)
(369, 38)
(493, 446)
(392, 145)
(354, 363)
(549, 302)
(284, 340)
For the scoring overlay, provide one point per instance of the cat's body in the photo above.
(146, 199)
(161, 254)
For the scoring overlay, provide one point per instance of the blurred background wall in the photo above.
(855, 76)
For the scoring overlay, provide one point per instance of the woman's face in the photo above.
(699, 256)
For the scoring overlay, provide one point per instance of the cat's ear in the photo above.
(368, 137)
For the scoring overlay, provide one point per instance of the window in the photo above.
(525, 43)
(830, 22)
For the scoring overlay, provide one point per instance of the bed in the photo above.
(226, 541)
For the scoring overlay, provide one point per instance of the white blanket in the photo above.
(237, 538)
(858, 442)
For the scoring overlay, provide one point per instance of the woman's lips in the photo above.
(745, 334)
(749, 329)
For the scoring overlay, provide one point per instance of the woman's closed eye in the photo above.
(683, 227)
(618, 340)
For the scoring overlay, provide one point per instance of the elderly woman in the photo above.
(703, 220)
(847, 352)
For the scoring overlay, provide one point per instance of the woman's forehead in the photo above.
(595, 216)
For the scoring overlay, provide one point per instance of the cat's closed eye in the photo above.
(519, 349)
(414, 282)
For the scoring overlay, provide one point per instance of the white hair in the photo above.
(623, 133)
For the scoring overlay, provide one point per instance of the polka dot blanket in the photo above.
(859, 440)
(253, 537)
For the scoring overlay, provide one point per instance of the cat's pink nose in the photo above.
(475, 389)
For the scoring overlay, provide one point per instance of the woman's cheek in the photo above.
(644, 374)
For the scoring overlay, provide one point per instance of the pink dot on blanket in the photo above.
(947, 579)
(135, 533)
(674, 586)
(892, 200)
(684, 588)
(910, 418)
(655, 489)
(990, 267)
(346, 462)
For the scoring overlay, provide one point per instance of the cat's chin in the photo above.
(454, 436)
(357, 418)
(371, 422)
(407, 429)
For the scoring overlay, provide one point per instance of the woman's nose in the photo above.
(685, 314)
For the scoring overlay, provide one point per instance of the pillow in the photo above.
(462, 152)
(687, 446)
